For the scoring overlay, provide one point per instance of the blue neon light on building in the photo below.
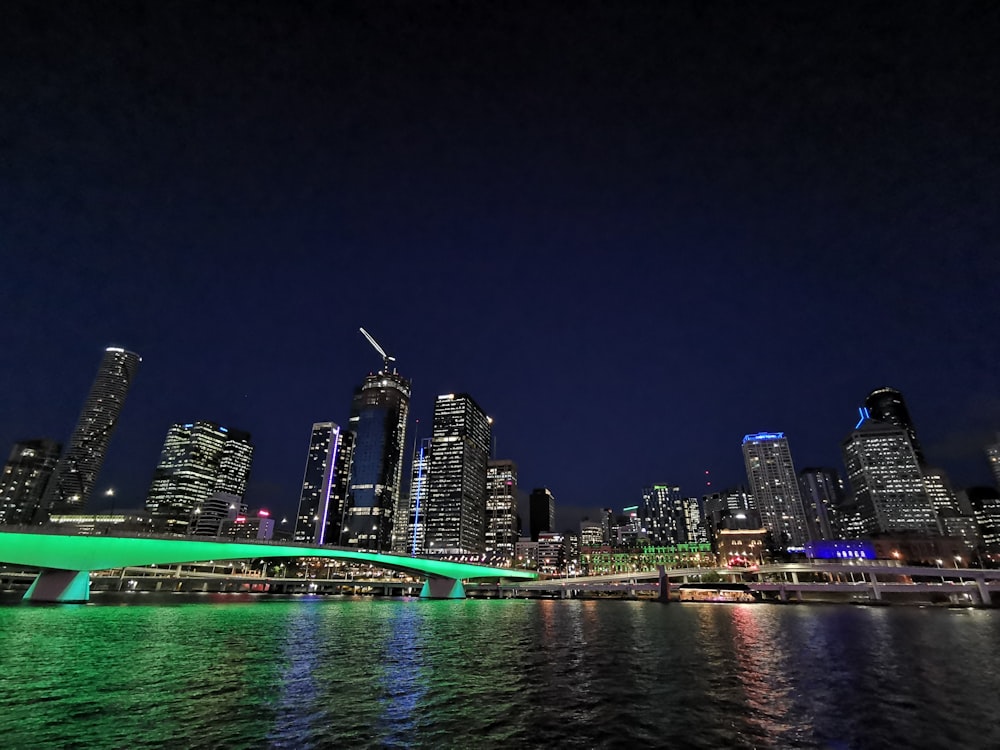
(763, 436)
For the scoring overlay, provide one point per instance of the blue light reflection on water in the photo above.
(408, 673)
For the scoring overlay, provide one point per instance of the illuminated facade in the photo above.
(887, 405)
(888, 486)
(25, 476)
(378, 421)
(456, 490)
(324, 485)
(501, 509)
(411, 540)
(541, 511)
(775, 488)
(551, 552)
(76, 473)
(198, 460)
(661, 515)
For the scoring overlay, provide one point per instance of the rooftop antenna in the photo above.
(386, 359)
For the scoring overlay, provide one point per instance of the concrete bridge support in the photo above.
(664, 595)
(984, 593)
(442, 588)
(60, 587)
(876, 592)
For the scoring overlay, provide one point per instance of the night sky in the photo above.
(632, 231)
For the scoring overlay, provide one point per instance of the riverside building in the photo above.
(76, 473)
(885, 477)
(456, 491)
(324, 485)
(378, 420)
(199, 460)
(501, 510)
(25, 476)
(775, 488)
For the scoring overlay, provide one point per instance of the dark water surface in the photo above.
(408, 673)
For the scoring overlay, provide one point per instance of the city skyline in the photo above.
(686, 225)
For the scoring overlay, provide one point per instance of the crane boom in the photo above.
(386, 358)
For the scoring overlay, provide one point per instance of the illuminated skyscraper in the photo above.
(501, 509)
(661, 515)
(24, 478)
(378, 421)
(198, 460)
(324, 485)
(76, 473)
(411, 539)
(541, 512)
(887, 405)
(886, 480)
(456, 492)
(775, 488)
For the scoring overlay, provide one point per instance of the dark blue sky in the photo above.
(632, 232)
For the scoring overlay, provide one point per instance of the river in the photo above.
(383, 673)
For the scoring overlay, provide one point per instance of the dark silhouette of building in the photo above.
(541, 512)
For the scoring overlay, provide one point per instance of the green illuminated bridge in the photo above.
(66, 561)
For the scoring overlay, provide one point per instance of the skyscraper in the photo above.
(198, 460)
(662, 514)
(412, 541)
(378, 421)
(541, 512)
(76, 473)
(885, 478)
(775, 488)
(823, 495)
(501, 509)
(887, 405)
(25, 476)
(456, 491)
(324, 485)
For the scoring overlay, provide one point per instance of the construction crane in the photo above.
(386, 359)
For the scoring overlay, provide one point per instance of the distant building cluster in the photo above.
(454, 499)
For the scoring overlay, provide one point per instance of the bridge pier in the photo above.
(984, 593)
(664, 595)
(60, 587)
(442, 588)
(875, 589)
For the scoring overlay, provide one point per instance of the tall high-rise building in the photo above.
(76, 473)
(198, 460)
(324, 485)
(541, 512)
(823, 495)
(887, 405)
(886, 480)
(661, 515)
(25, 476)
(775, 488)
(501, 509)
(378, 421)
(993, 456)
(456, 492)
(695, 528)
(412, 541)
